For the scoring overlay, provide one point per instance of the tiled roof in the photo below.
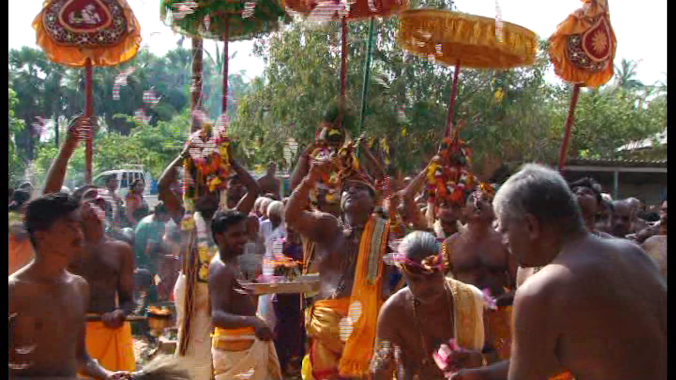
(617, 163)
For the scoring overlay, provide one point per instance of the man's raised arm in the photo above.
(252, 189)
(172, 201)
(413, 213)
(319, 227)
(302, 168)
(57, 171)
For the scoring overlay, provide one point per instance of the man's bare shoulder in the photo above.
(120, 246)
(393, 308)
(218, 268)
(655, 240)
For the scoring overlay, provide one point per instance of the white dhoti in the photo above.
(239, 355)
(198, 355)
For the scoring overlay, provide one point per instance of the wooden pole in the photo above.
(343, 67)
(196, 88)
(569, 126)
(89, 111)
(451, 105)
(225, 68)
(367, 71)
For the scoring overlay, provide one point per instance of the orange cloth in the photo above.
(75, 55)
(113, 348)
(20, 253)
(499, 330)
(366, 297)
(588, 35)
(322, 322)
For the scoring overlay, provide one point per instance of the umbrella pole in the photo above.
(343, 65)
(367, 71)
(451, 105)
(569, 126)
(196, 88)
(89, 111)
(225, 68)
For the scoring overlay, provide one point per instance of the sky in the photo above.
(640, 28)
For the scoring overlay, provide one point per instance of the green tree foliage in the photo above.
(507, 116)
(15, 164)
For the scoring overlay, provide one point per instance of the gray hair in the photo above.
(265, 203)
(276, 208)
(541, 192)
(418, 245)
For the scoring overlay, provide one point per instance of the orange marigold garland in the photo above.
(448, 177)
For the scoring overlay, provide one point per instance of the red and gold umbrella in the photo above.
(582, 50)
(88, 33)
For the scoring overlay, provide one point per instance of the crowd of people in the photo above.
(543, 279)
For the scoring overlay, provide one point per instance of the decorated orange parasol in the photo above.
(347, 10)
(582, 50)
(88, 33)
(454, 38)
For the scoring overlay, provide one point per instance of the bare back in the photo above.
(109, 270)
(605, 307)
(47, 323)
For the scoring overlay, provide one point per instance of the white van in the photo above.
(125, 177)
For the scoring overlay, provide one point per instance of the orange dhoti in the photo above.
(322, 322)
(499, 330)
(113, 348)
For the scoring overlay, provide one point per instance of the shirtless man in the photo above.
(656, 246)
(269, 184)
(590, 300)
(233, 311)
(338, 254)
(195, 326)
(477, 256)
(108, 267)
(418, 319)
(590, 199)
(47, 304)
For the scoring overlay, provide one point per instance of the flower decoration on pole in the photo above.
(88, 33)
(582, 50)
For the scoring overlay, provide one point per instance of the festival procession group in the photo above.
(348, 270)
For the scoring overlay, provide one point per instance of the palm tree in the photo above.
(625, 75)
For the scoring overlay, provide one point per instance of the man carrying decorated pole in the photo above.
(106, 264)
(242, 344)
(191, 291)
(342, 321)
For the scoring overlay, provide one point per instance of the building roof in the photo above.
(579, 164)
(648, 143)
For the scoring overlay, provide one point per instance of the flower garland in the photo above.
(448, 177)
